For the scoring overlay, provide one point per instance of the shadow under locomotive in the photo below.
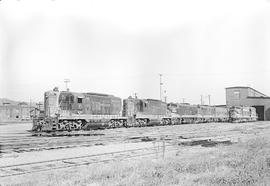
(71, 111)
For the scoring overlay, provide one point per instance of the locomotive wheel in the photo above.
(125, 123)
(164, 122)
(137, 123)
(79, 125)
(119, 123)
(110, 124)
(122, 123)
(40, 125)
(176, 121)
(140, 123)
(68, 126)
(116, 124)
(61, 126)
(145, 122)
(74, 125)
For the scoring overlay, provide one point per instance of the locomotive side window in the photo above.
(79, 100)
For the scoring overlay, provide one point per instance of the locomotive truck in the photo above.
(69, 111)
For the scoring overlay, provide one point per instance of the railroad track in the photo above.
(28, 168)
(133, 135)
(15, 144)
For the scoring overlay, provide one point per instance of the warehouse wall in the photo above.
(245, 96)
(14, 113)
(236, 96)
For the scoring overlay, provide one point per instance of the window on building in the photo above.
(236, 94)
(79, 100)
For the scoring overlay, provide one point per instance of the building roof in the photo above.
(219, 105)
(254, 97)
(245, 87)
(237, 87)
(82, 94)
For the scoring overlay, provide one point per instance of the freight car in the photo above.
(68, 111)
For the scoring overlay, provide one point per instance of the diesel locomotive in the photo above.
(69, 111)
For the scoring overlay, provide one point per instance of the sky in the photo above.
(120, 47)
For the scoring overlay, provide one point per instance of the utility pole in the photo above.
(165, 97)
(201, 99)
(209, 98)
(160, 86)
(183, 100)
(30, 104)
(135, 104)
(39, 104)
(135, 95)
(66, 81)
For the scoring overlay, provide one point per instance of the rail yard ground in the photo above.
(192, 154)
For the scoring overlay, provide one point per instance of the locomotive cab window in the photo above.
(79, 100)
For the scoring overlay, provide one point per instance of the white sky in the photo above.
(119, 47)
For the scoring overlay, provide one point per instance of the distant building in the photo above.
(18, 111)
(247, 96)
(14, 113)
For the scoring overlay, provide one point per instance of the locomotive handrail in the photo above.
(85, 116)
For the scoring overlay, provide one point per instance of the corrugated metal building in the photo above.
(247, 96)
